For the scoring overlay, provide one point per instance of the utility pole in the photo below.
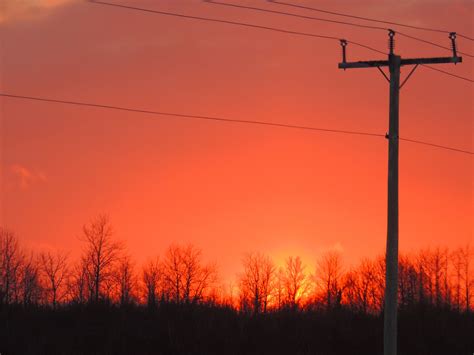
(394, 63)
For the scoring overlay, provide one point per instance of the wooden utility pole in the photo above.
(394, 63)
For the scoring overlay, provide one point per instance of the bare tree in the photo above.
(173, 270)
(353, 290)
(421, 268)
(10, 265)
(101, 254)
(407, 281)
(379, 282)
(256, 282)
(446, 277)
(54, 268)
(328, 278)
(195, 274)
(362, 287)
(280, 287)
(126, 281)
(185, 275)
(29, 281)
(268, 273)
(152, 278)
(457, 262)
(432, 268)
(437, 267)
(79, 285)
(467, 254)
(295, 281)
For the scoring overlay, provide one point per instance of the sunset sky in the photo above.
(229, 188)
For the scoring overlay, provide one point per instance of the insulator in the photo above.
(343, 45)
(452, 37)
(391, 40)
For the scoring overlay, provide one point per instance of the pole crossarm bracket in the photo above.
(408, 76)
(383, 73)
(408, 61)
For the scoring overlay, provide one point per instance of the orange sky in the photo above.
(228, 188)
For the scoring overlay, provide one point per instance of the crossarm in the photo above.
(409, 61)
(364, 64)
(439, 60)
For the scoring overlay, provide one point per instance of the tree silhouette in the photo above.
(100, 255)
(79, 284)
(438, 267)
(10, 266)
(362, 288)
(328, 278)
(186, 277)
(466, 255)
(54, 268)
(30, 286)
(407, 282)
(295, 281)
(152, 278)
(257, 282)
(126, 281)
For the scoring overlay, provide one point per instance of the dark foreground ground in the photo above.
(216, 330)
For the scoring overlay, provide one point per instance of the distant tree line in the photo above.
(176, 303)
(106, 273)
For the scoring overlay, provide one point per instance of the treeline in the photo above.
(104, 303)
(106, 273)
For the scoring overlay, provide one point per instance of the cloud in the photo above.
(14, 10)
(25, 177)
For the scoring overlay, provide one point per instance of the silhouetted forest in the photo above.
(176, 303)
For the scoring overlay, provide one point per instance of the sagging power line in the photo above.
(433, 43)
(199, 117)
(368, 19)
(213, 2)
(255, 26)
(356, 25)
(224, 119)
(235, 23)
(259, 9)
(448, 73)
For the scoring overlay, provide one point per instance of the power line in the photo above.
(347, 23)
(304, 17)
(238, 24)
(332, 21)
(448, 73)
(368, 19)
(280, 30)
(465, 37)
(215, 20)
(222, 119)
(294, 15)
(437, 146)
(433, 44)
(200, 117)
(275, 29)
